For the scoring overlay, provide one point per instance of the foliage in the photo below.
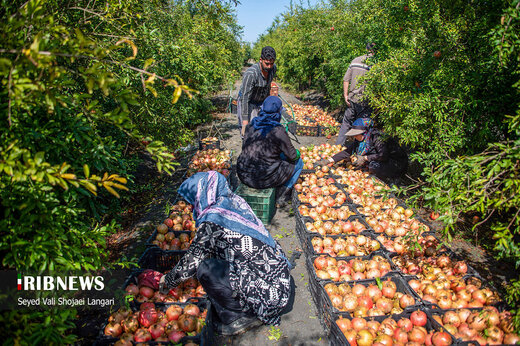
(445, 82)
(82, 82)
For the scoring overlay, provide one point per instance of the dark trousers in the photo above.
(213, 275)
(355, 111)
(388, 169)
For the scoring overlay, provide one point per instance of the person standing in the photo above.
(256, 86)
(353, 92)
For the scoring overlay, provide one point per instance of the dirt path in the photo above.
(301, 326)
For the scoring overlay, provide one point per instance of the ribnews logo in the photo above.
(64, 283)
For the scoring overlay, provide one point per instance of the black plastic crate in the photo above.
(352, 218)
(133, 279)
(401, 286)
(204, 338)
(329, 130)
(154, 234)
(430, 313)
(313, 131)
(310, 236)
(442, 249)
(350, 207)
(160, 260)
(337, 338)
(393, 269)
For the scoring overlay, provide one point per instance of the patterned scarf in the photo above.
(269, 116)
(213, 201)
(363, 124)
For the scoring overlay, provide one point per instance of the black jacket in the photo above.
(259, 165)
(379, 150)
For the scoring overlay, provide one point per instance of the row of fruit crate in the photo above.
(379, 274)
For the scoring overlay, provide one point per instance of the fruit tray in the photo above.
(351, 210)
(204, 337)
(149, 241)
(313, 131)
(400, 260)
(337, 337)
(367, 245)
(433, 314)
(406, 241)
(208, 142)
(470, 298)
(160, 260)
(401, 287)
(184, 289)
(329, 130)
(393, 270)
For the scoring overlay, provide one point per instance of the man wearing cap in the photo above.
(383, 157)
(353, 92)
(256, 86)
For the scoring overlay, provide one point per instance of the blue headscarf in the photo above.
(366, 125)
(213, 201)
(269, 115)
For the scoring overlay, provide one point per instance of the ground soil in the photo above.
(301, 326)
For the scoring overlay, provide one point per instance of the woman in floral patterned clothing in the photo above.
(242, 268)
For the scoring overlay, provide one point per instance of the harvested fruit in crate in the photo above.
(330, 268)
(359, 245)
(210, 160)
(209, 140)
(418, 245)
(359, 331)
(314, 113)
(322, 212)
(451, 292)
(312, 180)
(488, 326)
(367, 299)
(314, 153)
(430, 268)
(394, 224)
(153, 324)
(145, 288)
(335, 227)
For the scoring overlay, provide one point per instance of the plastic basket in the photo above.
(400, 285)
(149, 241)
(313, 131)
(262, 202)
(160, 260)
(133, 279)
(337, 338)
(205, 337)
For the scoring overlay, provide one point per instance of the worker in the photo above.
(268, 158)
(243, 270)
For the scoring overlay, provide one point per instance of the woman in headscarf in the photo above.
(383, 157)
(241, 267)
(268, 158)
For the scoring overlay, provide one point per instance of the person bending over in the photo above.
(243, 270)
(383, 157)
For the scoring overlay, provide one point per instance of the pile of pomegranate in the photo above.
(169, 324)
(335, 227)
(146, 290)
(322, 212)
(452, 292)
(330, 268)
(367, 299)
(308, 114)
(178, 230)
(488, 326)
(417, 245)
(314, 153)
(346, 246)
(414, 330)
(210, 160)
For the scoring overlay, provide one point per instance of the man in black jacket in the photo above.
(256, 86)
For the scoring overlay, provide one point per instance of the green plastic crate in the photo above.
(262, 202)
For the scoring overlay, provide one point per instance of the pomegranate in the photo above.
(187, 323)
(147, 317)
(156, 331)
(418, 318)
(142, 335)
(113, 329)
(176, 336)
(192, 309)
